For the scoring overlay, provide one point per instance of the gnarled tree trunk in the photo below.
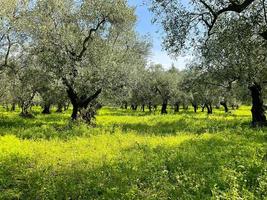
(224, 104)
(257, 110)
(209, 107)
(77, 102)
(164, 106)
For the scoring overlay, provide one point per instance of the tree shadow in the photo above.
(187, 125)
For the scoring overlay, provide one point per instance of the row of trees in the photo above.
(157, 86)
(228, 39)
(82, 52)
(67, 50)
(147, 87)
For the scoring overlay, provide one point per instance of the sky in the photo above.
(144, 26)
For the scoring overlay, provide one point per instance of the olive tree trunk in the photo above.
(224, 104)
(164, 106)
(257, 110)
(78, 102)
(46, 109)
(176, 107)
(209, 107)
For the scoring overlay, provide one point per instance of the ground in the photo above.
(133, 155)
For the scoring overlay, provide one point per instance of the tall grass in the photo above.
(133, 155)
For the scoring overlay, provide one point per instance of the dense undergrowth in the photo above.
(133, 155)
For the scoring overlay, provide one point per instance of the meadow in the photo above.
(133, 155)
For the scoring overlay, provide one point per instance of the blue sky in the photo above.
(144, 26)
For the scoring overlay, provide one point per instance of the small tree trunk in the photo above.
(46, 109)
(134, 107)
(13, 107)
(202, 107)
(164, 106)
(176, 107)
(195, 106)
(125, 105)
(224, 104)
(59, 108)
(209, 108)
(143, 107)
(150, 106)
(257, 110)
(25, 111)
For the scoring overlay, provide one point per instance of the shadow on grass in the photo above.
(58, 125)
(186, 125)
(41, 126)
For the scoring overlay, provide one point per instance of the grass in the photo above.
(133, 155)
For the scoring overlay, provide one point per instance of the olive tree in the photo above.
(197, 22)
(81, 43)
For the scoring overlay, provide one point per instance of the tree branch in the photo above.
(91, 31)
(5, 64)
(232, 7)
(84, 103)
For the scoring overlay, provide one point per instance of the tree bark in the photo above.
(164, 106)
(176, 107)
(195, 106)
(202, 107)
(150, 106)
(13, 107)
(224, 104)
(75, 109)
(46, 109)
(143, 107)
(24, 110)
(209, 107)
(79, 102)
(257, 110)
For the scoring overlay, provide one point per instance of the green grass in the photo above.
(133, 155)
